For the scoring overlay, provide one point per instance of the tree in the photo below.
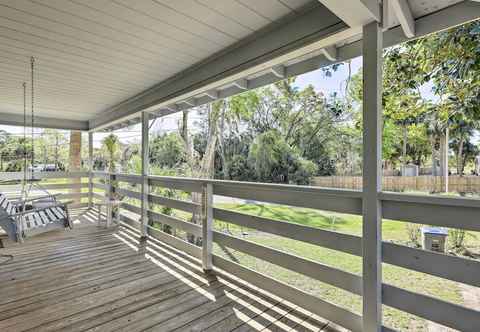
(111, 145)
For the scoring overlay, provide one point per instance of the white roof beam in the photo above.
(355, 12)
(190, 102)
(241, 84)
(278, 71)
(212, 94)
(330, 52)
(401, 9)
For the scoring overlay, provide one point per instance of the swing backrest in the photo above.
(7, 209)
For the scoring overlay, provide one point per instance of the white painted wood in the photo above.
(207, 226)
(441, 265)
(337, 241)
(132, 208)
(402, 11)
(242, 84)
(431, 210)
(130, 178)
(355, 12)
(175, 222)
(448, 314)
(315, 270)
(213, 94)
(278, 71)
(372, 177)
(175, 242)
(310, 197)
(129, 193)
(314, 304)
(145, 170)
(175, 203)
(427, 23)
(330, 52)
(185, 184)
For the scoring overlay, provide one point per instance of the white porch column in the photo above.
(372, 177)
(145, 171)
(90, 170)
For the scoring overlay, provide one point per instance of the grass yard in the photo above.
(392, 230)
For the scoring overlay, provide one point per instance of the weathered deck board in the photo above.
(92, 279)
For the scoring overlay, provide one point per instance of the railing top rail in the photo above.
(264, 186)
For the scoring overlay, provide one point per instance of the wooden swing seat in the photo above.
(19, 224)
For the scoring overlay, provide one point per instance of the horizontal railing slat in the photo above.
(175, 242)
(175, 203)
(175, 222)
(189, 185)
(444, 266)
(322, 199)
(333, 240)
(445, 313)
(445, 212)
(318, 306)
(315, 270)
(99, 186)
(64, 186)
(129, 193)
(131, 208)
(7, 176)
(130, 178)
(98, 196)
(130, 222)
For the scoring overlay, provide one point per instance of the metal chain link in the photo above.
(32, 65)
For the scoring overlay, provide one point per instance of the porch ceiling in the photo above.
(104, 61)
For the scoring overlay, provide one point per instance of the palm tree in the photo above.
(111, 145)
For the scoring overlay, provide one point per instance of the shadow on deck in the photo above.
(95, 279)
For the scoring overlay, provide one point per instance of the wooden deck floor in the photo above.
(102, 280)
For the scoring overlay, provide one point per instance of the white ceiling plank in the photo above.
(129, 16)
(193, 9)
(355, 12)
(170, 16)
(402, 11)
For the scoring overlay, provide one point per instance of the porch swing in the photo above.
(29, 215)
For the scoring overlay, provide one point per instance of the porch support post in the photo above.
(90, 170)
(372, 177)
(145, 171)
(207, 224)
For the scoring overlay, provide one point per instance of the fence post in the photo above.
(90, 170)
(145, 171)
(207, 225)
(372, 177)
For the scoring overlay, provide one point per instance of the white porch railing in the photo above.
(54, 182)
(440, 211)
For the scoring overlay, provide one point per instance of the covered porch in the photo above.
(139, 277)
(102, 280)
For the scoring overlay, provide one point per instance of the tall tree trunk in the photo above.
(221, 142)
(460, 155)
(404, 148)
(56, 153)
(75, 161)
(186, 142)
(444, 160)
(207, 163)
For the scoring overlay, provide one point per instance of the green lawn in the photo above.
(350, 224)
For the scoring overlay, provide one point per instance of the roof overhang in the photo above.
(303, 55)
